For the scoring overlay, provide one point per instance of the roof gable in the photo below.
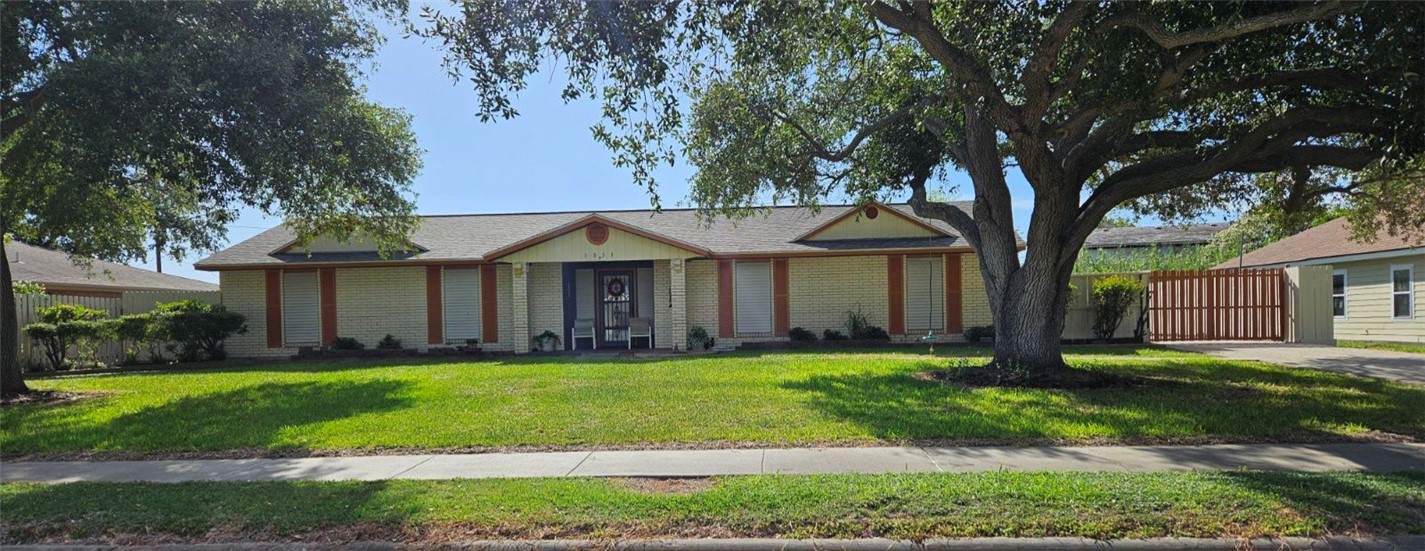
(873, 221)
(595, 237)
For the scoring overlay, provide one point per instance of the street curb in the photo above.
(1399, 543)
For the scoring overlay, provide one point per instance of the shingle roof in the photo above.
(1328, 240)
(54, 269)
(472, 237)
(1148, 236)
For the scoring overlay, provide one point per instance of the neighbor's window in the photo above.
(1338, 293)
(1402, 293)
(301, 308)
(924, 293)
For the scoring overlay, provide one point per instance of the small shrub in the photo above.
(1113, 295)
(390, 342)
(800, 334)
(64, 325)
(833, 335)
(136, 334)
(197, 328)
(698, 338)
(347, 343)
(547, 338)
(977, 332)
(872, 333)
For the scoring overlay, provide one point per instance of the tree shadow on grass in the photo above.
(154, 513)
(1377, 504)
(247, 417)
(1187, 401)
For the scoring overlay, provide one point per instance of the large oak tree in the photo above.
(128, 121)
(1166, 107)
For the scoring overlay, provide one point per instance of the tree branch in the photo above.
(820, 150)
(1171, 40)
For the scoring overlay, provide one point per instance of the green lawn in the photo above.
(1097, 505)
(1395, 346)
(771, 398)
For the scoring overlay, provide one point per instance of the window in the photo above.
(301, 308)
(752, 286)
(924, 293)
(1402, 292)
(460, 300)
(1338, 293)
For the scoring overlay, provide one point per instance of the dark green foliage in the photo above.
(197, 329)
(347, 343)
(832, 335)
(137, 333)
(63, 326)
(977, 332)
(860, 328)
(390, 342)
(698, 338)
(800, 334)
(546, 339)
(1113, 296)
(125, 125)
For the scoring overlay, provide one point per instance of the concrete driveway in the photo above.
(1383, 364)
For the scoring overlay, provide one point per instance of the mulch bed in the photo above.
(46, 397)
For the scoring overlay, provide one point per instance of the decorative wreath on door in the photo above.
(615, 288)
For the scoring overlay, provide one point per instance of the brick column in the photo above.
(519, 296)
(677, 305)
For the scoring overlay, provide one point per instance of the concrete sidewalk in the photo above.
(697, 463)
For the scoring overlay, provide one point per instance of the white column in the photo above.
(519, 296)
(678, 303)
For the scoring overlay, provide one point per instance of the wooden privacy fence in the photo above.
(130, 302)
(1207, 305)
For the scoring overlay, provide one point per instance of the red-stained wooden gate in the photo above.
(1212, 305)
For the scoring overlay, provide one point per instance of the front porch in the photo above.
(602, 305)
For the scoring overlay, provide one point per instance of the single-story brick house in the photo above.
(503, 278)
(1375, 286)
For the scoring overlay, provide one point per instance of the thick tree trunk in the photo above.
(1029, 323)
(12, 381)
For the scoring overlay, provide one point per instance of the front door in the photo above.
(615, 306)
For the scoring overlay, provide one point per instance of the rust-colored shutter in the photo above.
(274, 308)
(489, 310)
(954, 302)
(327, 280)
(435, 309)
(895, 287)
(781, 299)
(726, 326)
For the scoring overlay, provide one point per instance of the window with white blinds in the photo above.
(301, 308)
(460, 298)
(752, 287)
(925, 293)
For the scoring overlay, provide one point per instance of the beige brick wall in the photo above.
(371, 302)
(545, 289)
(504, 307)
(701, 295)
(823, 290)
(245, 292)
(972, 292)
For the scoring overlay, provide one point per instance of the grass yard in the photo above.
(1393, 346)
(776, 398)
(1096, 505)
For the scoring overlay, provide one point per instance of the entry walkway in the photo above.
(1384, 364)
(697, 463)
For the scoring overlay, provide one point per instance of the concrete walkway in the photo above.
(697, 463)
(1383, 364)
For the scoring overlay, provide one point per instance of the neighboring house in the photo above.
(1376, 287)
(1166, 239)
(504, 278)
(61, 276)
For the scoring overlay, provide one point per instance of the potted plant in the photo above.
(980, 333)
(546, 341)
(698, 339)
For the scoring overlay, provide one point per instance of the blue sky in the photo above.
(544, 160)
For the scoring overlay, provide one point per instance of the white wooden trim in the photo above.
(1409, 291)
(1345, 293)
